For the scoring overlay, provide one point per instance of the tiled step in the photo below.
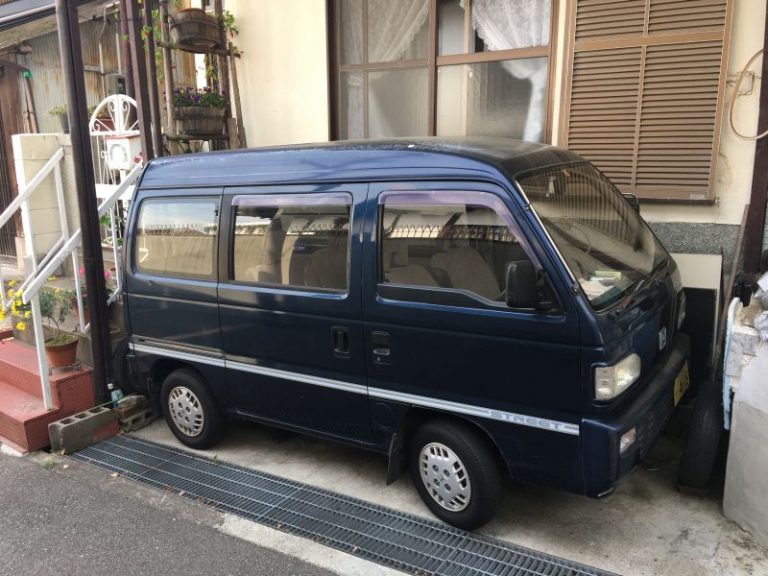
(23, 417)
(18, 367)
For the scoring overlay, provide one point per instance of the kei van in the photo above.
(468, 308)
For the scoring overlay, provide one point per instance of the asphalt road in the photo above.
(63, 517)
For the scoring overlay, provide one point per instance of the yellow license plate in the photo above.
(681, 383)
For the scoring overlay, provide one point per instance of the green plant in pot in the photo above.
(55, 308)
(199, 111)
(61, 113)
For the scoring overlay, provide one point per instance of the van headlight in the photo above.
(610, 381)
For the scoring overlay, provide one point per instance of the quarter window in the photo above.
(177, 237)
(301, 240)
(450, 240)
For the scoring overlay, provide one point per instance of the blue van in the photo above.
(463, 306)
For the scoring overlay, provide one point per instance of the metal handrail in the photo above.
(45, 272)
(64, 247)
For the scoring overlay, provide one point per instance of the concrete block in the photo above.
(137, 421)
(746, 481)
(82, 429)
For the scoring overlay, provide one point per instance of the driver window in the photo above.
(458, 245)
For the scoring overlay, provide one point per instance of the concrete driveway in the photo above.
(646, 527)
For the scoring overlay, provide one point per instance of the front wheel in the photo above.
(190, 410)
(455, 473)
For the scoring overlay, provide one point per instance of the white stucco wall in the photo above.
(283, 72)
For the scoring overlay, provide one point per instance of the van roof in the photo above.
(355, 160)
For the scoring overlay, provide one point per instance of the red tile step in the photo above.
(23, 417)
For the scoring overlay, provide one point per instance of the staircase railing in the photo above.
(64, 247)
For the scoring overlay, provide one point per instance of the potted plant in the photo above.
(199, 111)
(20, 315)
(61, 112)
(108, 285)
(193, 27)
(104, 121)
(55, 307)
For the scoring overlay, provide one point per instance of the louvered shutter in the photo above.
(645, 93)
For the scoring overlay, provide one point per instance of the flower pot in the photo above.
(64, 122)
(199, 120)
(27, 335)
(193, 27)
(61, 351)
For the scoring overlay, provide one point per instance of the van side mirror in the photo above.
(521, 289)
(633, 201)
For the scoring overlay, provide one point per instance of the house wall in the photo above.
(283, 73)
(284, 82)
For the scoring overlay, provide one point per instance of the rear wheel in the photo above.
(456, 473)
(190, 410)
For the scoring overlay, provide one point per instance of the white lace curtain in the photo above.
(509, 24)
(392, 27)
(502, 25)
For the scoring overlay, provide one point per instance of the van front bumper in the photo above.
(648, 414)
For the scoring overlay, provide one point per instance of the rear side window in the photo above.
(177, 237)
(296, 240)
(462, 241)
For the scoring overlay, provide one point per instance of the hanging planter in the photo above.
(199, 111)
(197, 121)
(193, 27)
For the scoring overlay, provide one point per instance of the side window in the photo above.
(454, 240)
(297, 240)
(177, 237)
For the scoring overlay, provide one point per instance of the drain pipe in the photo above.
(85, 184)
(732, 309)
(26, 74)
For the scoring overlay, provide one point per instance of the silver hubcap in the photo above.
(186, 411)
(445, 477)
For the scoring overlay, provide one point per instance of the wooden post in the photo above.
(222, 65)
(242, 140)
(170, 126)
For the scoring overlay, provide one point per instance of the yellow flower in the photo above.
(56, 290)
(10, 293)
(2, 315)
(27, 314)
(51, 278)
(21, 326)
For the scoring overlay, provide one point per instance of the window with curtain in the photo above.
(442, 67)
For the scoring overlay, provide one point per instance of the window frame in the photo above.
(213, 276)
(432, 63)
(295, 199)
(454, 297)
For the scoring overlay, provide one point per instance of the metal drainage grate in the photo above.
(402, 541)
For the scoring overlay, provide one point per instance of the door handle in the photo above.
(381, 350)
(340, 341)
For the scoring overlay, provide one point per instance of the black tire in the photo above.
(700, 453)
(476, 458)
(191, 397)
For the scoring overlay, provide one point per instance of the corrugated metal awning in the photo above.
(18, 12)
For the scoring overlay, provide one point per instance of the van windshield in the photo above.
(606, 244)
